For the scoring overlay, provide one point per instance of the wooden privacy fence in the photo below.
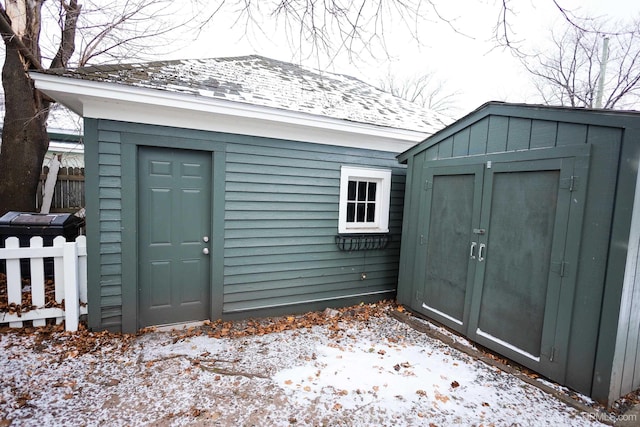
(60, 294)
(68, 195)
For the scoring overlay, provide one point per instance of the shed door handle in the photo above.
(481, 252)
(472, 250)
(205, 251)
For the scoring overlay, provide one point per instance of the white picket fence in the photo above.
(70, 279)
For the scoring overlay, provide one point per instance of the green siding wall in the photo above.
(273, 246)
(104, 210)
(280, 222)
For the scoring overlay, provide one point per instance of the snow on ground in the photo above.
(346, 373)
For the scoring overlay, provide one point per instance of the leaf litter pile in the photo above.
(350, 367)
(25, 305)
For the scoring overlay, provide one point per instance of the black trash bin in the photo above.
(25, 225)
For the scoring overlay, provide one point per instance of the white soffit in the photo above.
(110, 101)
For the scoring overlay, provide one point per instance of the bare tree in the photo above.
(585, 64)
(330, 27)
(423, 89)
(35, 33)
(505, 34)
(65, 32)
(61, 33)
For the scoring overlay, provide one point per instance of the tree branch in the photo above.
(67, 43)
(10, 37)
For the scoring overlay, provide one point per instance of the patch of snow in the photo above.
(379, 372)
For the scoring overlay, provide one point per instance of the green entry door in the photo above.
(174, 223)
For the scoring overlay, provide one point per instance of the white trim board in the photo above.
(624, 376)
(102, 100)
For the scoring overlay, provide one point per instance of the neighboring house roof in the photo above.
(250, 87)
(65, 133)
(61, 120)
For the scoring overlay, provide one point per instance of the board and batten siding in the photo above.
(273, 248)
(512, 134)
(281, 219)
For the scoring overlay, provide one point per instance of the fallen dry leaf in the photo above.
(441, 397)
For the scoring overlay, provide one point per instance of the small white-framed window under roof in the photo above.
(365, 194)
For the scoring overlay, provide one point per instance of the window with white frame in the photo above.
(364, 200)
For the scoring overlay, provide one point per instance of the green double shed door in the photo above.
(498, 252)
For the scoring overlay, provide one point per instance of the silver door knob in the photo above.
(205, 239)
(205, 251)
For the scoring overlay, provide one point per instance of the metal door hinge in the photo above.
(570, 183)
(419, 295)
(552, 354)
(560, 268)
(428, 185)
(422, 239)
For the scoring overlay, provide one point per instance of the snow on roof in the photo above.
(261, 81)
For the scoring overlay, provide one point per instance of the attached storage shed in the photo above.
(521, 232)
(217, 188)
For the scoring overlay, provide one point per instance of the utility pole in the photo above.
(603, 70)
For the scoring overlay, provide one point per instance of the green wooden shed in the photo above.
(521, 231)
(236, 187)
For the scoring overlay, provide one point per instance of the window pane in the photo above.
(362, 191)
(360, 212)
(364, 200)
(351, 212)
(371, 212)
(351, 190)
(372, 192)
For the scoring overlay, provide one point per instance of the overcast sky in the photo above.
(465, 58)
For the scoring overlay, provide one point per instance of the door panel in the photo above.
(453, 204)
(174, 214)
(523, 211)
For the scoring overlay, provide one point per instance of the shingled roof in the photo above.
(265, 82)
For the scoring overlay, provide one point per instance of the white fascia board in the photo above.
(112, 101)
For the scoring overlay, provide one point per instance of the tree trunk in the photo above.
(24, 134)
(24, 137)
